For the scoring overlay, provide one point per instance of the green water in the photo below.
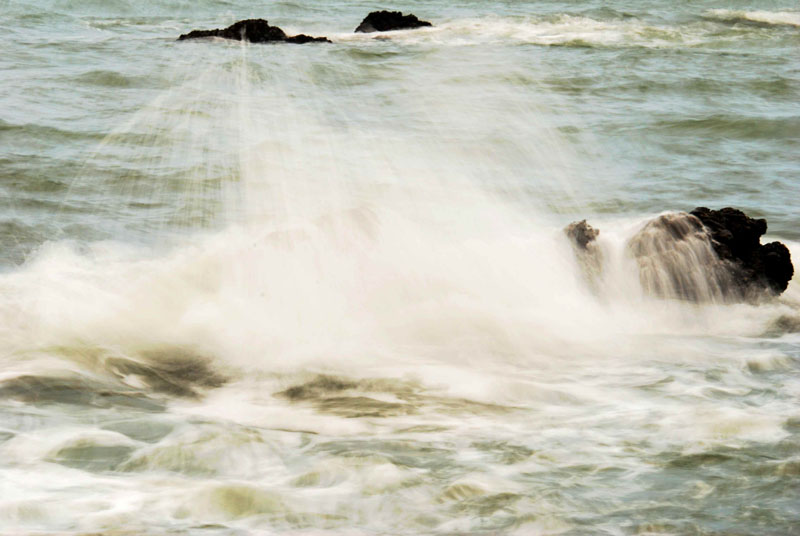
(273, 289)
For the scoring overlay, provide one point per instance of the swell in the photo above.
(106, 78)
(735, 127)
(45, 133)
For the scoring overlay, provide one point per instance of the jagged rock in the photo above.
(702, 256)
(736, 238)
(709, 255)
(384, 21)
(589, 256)
(254, 31)
(581, 233)
(303, 38)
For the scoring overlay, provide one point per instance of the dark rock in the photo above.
(254, 31)
(581, 233)
(736, 238)
(384, 21)
(588, 254)
(702, 256)
(709, 255)
(303, 38)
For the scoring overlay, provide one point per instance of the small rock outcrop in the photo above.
(302, 39)
(702, 256)
(385, 21)
(581, 233)
(736, 238)
(583, 237)
(710, 255)
(254, 31)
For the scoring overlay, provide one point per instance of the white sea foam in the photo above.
(776, 18)
(496, 336)
(408, 341)
(556, 30)
(321, 301)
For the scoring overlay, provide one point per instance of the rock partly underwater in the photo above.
(254, 31)
(703, 255)
(385, 21)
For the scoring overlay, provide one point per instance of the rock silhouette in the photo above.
(736, 238)
(254, 31)
(385, 21)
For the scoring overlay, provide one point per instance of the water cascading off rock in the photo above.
(702, 256)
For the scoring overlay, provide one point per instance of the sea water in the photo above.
(324, 289)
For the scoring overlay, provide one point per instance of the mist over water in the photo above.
(326, 288)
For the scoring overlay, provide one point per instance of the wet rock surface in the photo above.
(583, 238)
(301, 39)
(581, 233)
(736, 238)
(254, 31)
(385, 21)
(677, 260)
(703, 255)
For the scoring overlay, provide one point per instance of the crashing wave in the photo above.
(676, 259)
(703, 256)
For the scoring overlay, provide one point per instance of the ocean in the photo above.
(325, 288)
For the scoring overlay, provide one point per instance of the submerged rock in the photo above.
(169, 371)
(254, 31)
(75, 390)
(385, 21)
(301, 39)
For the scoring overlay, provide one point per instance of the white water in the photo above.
(788, 17)
(483, 384)
(339, 244)
(585, 31)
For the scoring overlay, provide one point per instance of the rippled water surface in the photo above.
(323, 289)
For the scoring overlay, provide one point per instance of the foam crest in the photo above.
(554, 30)
(408, 291)
(772, 18)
